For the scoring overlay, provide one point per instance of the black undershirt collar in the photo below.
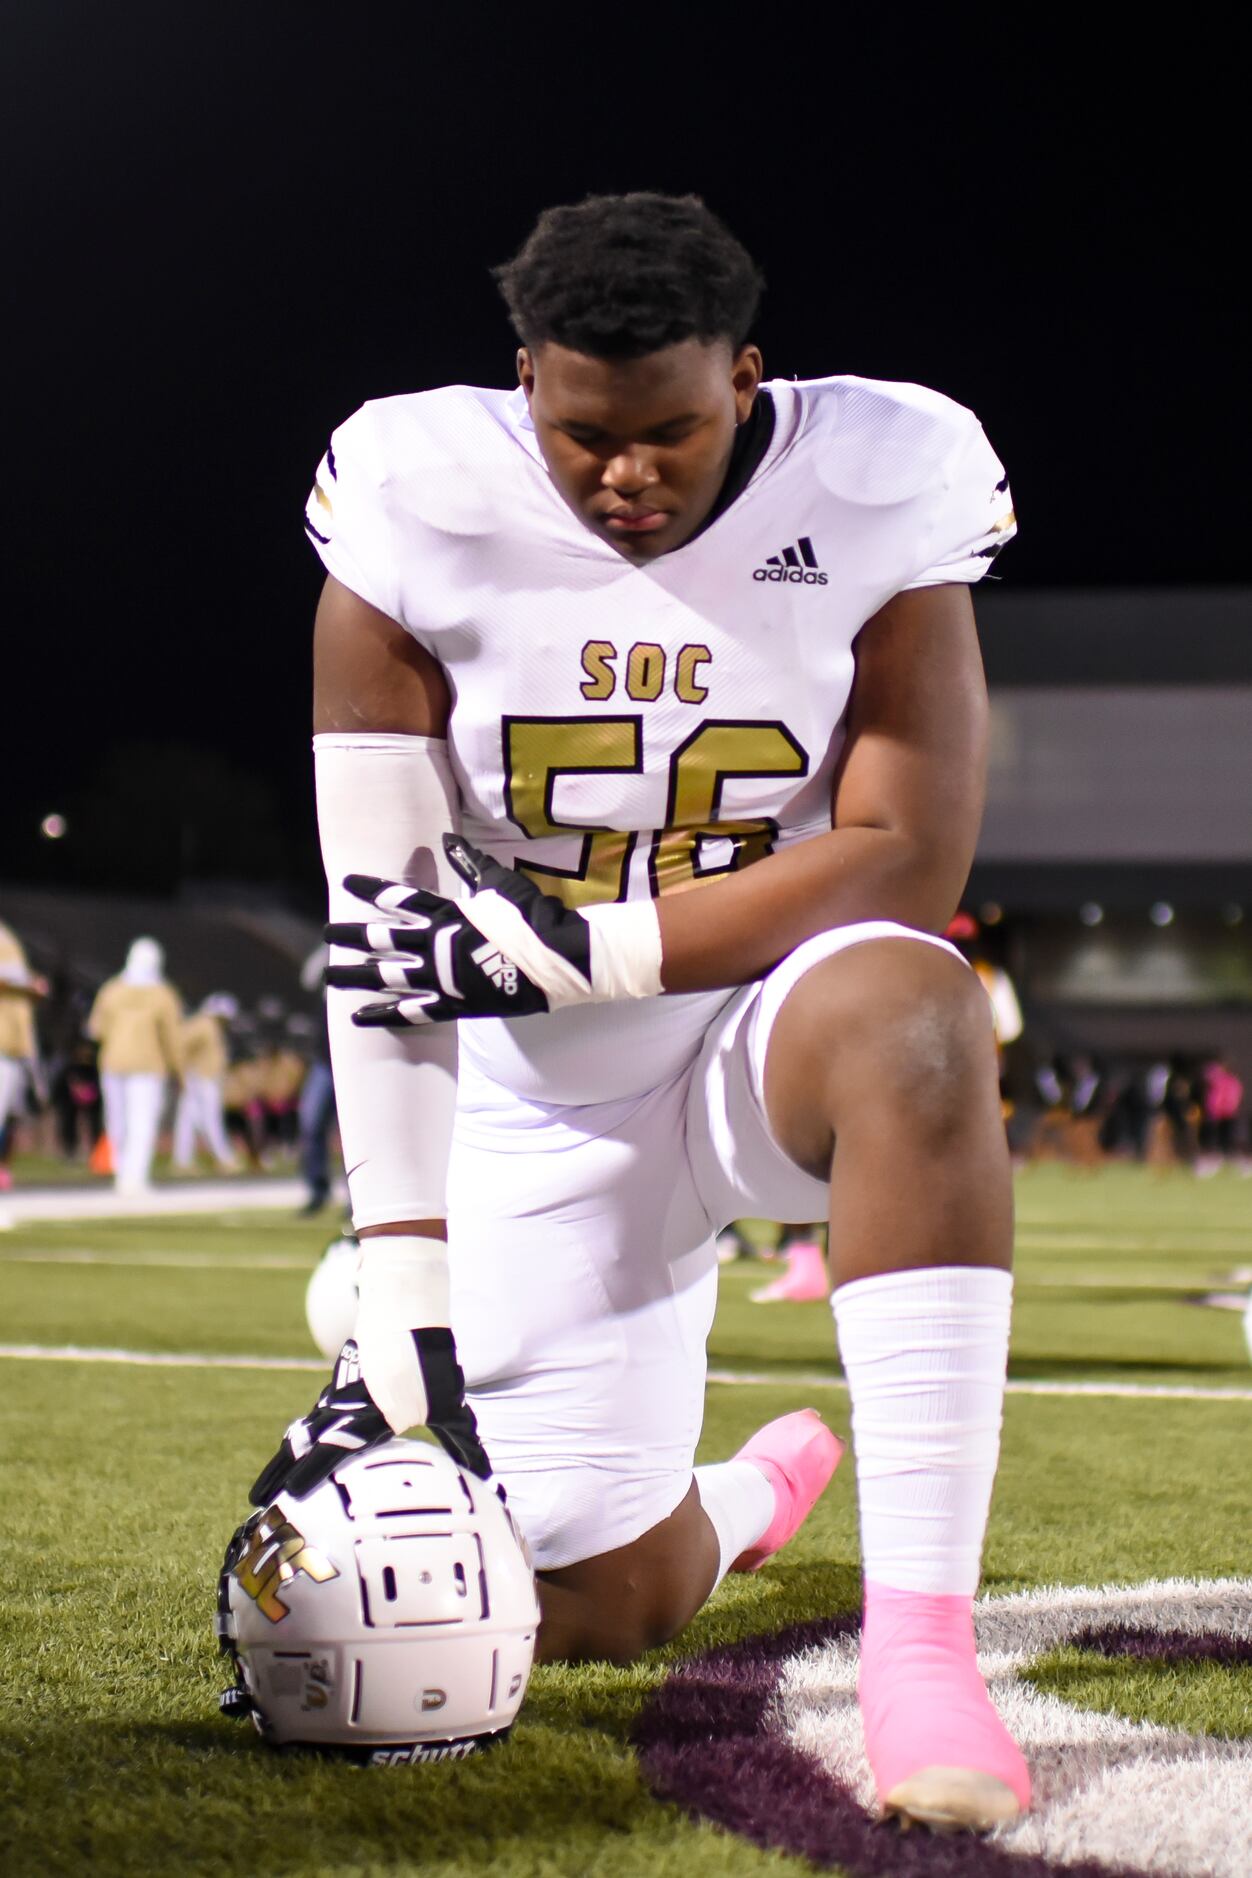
(752, 440)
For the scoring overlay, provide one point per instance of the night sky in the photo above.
(226, 228)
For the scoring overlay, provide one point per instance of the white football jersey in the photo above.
(623, 729)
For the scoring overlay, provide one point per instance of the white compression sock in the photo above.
(740, 1504)
(925, 1354)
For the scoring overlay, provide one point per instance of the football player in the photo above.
(650, 736)
(20, 989)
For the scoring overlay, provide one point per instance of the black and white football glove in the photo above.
(345, 1418)
(510, 950)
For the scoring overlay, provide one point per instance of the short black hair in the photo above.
(617, 277)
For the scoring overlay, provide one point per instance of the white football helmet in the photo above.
(390, 1616)
(331, 1299)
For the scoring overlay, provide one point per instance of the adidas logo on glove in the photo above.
(798, 564)
(501, 971)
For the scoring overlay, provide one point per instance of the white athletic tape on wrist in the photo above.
(625, 949)
(384, 802)
(403, 1286)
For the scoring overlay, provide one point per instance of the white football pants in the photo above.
(12, 1083)
(199, 1118)
(584, 1269)
(132, 1116)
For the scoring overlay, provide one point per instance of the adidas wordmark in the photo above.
(798, 564)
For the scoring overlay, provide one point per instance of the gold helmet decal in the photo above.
(276, 1552)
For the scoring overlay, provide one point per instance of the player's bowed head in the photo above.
(635, 360)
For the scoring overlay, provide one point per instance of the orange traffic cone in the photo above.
(101, 1160)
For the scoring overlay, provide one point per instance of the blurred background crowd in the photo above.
(144, 1068)
(121, 1076)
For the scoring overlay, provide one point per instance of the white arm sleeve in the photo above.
(383, 803)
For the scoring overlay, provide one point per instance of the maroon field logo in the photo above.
(764, 1738)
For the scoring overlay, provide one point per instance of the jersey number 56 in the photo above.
(692, 846)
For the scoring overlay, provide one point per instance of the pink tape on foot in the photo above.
(797, 1454)
(926, 1711)
(804, 1279)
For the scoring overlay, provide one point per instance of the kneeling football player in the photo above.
(684, 664)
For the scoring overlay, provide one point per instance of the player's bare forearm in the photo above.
(734, 930)
(908, 803)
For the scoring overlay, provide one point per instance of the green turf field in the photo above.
(121, 1484)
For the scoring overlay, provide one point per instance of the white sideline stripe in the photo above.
(179, 1359)
(195, 1261)
(1164, 1242)
(162, 1261)
(1106, 1281)
(154, 1359)
(1149, 1391)
(203, 1262)
(227, 1196)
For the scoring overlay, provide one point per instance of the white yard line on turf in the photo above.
(178, 1359)
(204, 1262)
(1173, 1392)
(1161, 1391)
(172, 1261)
(236, 1194)
(153, 1359)
(1102, 1281)
(1164, 1240)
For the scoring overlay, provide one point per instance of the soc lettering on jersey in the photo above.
(622, 730)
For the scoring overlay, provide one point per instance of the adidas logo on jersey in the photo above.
(501, 971)
(798, 564)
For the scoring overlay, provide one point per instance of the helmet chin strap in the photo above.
(236, 1702)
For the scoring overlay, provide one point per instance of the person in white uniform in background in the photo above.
(137, 1020)
(688, 659)
(20, 988)
(199, 1116)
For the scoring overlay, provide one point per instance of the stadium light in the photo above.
(1161, 913)
(52, 827)
(991, 912)
(1090, 913)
